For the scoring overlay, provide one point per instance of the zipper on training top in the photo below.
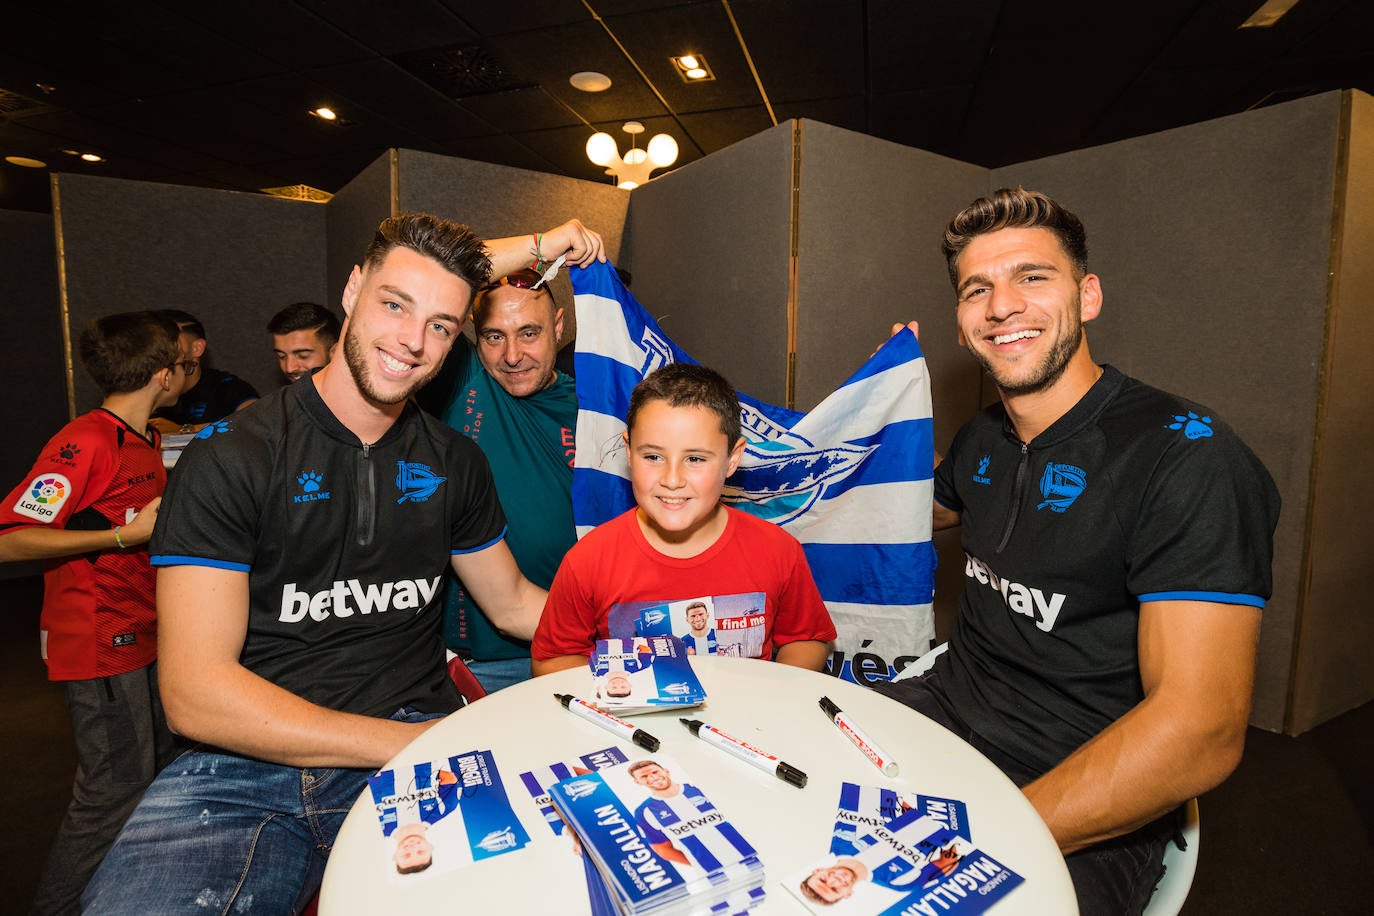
(1017, 497)
(367, 498)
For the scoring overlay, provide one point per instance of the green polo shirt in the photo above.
(529, 444)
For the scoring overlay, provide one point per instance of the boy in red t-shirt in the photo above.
(87, 508)
(683, 440)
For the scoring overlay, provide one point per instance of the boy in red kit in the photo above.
(88, 508)
(683, 440)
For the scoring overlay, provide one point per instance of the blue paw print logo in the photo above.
(309, 481)
(1193, 426)
(219, 426)
(983, 464)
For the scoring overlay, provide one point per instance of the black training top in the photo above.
(215, 395)
(346, 546)
(1133, 496)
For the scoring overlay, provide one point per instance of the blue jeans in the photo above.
(502, 672)
(218, 833)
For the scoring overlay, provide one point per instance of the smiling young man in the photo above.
(303, 336)
(506, 396)
(301, 549)
(1118, 542)
(683, 440)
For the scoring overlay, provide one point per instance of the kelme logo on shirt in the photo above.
(1060, 485)
(346, 598)
(980, 475)
(416, 481)
(42, 499)
(312, 484)
(67, 454)
(1193, 426)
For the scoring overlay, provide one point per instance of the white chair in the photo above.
(922, 664)
(1180, 865)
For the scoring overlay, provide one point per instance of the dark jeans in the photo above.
(1110, 878)
(121, 742)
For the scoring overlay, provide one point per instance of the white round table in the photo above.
(771, 706)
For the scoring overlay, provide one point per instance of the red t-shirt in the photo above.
(614, 564)
(99, 616)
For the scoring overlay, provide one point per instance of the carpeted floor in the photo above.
(1292, 831)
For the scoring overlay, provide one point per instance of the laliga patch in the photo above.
(44, 497)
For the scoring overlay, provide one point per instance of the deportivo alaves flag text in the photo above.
(851, 479)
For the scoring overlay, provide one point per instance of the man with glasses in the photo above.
(87, 509)
(209, 394)
(506, 395)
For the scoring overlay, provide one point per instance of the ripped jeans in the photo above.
(219, 833)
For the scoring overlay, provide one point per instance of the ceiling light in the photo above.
(26, 162)
(1268, 15)
(590, 81)
(692, 68)
(633, 170)
(327, 114)
(92, 157)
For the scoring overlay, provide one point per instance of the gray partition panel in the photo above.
(351, 218)
(498, 201)
(231, 259)
(1335, 658)
(711, 259)
(872, 215)
(31, 374)
(1212, 243)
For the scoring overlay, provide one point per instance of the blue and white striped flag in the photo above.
(851, 480)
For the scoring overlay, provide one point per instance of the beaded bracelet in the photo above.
(119, 542)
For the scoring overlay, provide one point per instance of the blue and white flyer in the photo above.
(440, 815)
(658, 841)
(862, 808)
(914, 865)
(537, 783)
(643, 674)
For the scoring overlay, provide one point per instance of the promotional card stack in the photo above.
(644, 674)
(658, 843)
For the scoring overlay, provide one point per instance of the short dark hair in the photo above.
(306, 316)
(1014, 208)
(184, 321)
(689, 385)
(123, 351)
(453, 245)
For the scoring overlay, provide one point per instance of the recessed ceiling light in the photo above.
(92, 157)
(693, 68)
(327, 114)
(1268, 15)
(26, 162)
(590, 81)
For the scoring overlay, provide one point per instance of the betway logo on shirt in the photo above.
(346, 598)
(1023, 599)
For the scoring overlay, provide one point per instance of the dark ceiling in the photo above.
(216, 93)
